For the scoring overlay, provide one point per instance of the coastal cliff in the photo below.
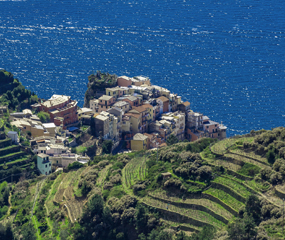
(97, 84)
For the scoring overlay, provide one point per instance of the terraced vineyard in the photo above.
(200, 203)
(222, 146)
(234, 186)
(214, 207)
(135, 170)
(226, 198)
(245, 159)
(11, 155)
(187, 215)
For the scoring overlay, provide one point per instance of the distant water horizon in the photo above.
(227, 58)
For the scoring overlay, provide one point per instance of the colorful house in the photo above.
(44, 164)
(140, 142)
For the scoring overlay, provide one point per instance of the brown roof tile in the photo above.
(163, 99)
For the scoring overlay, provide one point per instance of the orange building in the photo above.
(61, 110)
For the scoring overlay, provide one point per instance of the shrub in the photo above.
(172, 139)
(265, 173)
(44, 117)
(275, 178)
(107, 146)
(75, 165)
(270, 155)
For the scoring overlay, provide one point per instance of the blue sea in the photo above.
(225, 57)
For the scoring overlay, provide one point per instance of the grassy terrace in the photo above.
(102, 176)
(228, 165)
(15, 161)
(255, 186)
(221, 147)
(225, 197)
(252, 155)
(56, 184)
(133, 171)
(233, 185)
(11, 155)
(8, 148)
(183, 226)
(197, 215)
(3, 141)
(245, 159)
(215, 207)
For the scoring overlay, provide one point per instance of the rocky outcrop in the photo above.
(97, 84)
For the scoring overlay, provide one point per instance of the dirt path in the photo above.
(10, 204)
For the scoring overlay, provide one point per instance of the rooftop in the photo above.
(102, 117)
(132, 115)
(84, 110)
(163, 99)
(132, 98)
(56, 100)
(120, 104)
(139, 136)
(209, 123)
(105, 98)
(41, 155)
(186, 103)
(12, 132)
(125, 77)
(49, 125)
(140, 109)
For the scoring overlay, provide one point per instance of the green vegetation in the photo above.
(14, 94)
(107, 146)
(172, 139)
(97, 83)
(201, 190)
(44, 117)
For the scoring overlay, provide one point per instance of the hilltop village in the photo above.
(62, 177)
(133, 115)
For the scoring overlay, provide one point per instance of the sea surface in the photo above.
(225, 57)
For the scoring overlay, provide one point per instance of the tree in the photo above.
(44, 117)
(270, 156)
(172, 139)
(107, 146)
(6, 232)
(253, 208)
(242, 229)
(28, 232)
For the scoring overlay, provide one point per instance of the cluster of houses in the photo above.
(145, 115)
(136, 112)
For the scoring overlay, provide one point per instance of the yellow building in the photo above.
(139, 142)
(149, 109)
(135, 122)
(84, 111)
(117, 91)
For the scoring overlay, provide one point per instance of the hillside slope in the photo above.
(231, 189)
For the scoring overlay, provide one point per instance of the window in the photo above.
(46, 166)
(100, 100)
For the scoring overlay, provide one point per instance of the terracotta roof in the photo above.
(139, 109)
(133, 115)
(163, 99)
(186, 103)
(105, 97)
(147, 106)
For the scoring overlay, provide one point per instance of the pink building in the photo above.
(102, 104)
(124, 81)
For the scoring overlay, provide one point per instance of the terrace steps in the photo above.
(193, 217)
(196, 206)
(182, 226)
